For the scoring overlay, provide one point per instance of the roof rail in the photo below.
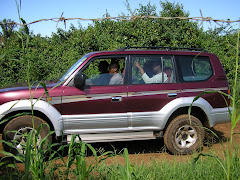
(162, 47)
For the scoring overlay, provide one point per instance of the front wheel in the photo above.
(184, 136)
(17, 129)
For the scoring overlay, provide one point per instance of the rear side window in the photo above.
(194, 68)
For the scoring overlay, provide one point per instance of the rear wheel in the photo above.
(17, 130)
(184, 136)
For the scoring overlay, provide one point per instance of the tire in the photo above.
(183, 136)
(21, 125)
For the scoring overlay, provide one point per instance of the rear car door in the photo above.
(146, 98)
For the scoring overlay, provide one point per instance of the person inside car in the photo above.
(157, 69)
(104, 76)
(116, 77)
(168, 71)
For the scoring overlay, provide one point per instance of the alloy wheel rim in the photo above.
(186, 136)
(20, 138)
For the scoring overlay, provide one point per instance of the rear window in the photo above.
(194, 68)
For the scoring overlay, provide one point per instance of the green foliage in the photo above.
(49, 57)
(7, 30)
(222, 42)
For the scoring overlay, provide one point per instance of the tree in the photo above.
(172, 10)
(7, 29)
(49, 57)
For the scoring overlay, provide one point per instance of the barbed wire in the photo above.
(128, 18)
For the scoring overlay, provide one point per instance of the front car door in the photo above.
(101, 106)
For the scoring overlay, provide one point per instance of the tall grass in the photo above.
(234, 116)
(77, 166)
(204, 168)
(231, 151)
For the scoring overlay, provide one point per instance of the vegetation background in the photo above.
(49, 57)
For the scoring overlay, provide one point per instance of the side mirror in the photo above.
(79, 81)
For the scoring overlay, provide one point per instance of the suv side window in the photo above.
(105, 71)
(194, 68)
(153, 69)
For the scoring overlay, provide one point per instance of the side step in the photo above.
(110, 137)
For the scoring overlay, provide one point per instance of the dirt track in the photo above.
(146, 151)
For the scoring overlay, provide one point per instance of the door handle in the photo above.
(172, 95)
(137, 93)
(116, 99)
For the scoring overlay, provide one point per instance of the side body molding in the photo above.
(40, 105)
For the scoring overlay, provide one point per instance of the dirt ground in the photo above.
(147, 150)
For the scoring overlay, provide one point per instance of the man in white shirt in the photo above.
(157, 78)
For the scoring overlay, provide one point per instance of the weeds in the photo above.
(231, 154)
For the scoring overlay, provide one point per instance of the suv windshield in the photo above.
(73, 68)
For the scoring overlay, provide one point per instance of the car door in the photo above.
(146, 98)
(101, 106)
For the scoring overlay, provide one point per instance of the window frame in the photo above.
(131, 64)
(125, 77)
(179, 71)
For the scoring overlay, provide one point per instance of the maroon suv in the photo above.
(126, 94)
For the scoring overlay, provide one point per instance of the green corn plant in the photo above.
(127, 171)
(77, 153)
(34, 155)
(229, 155)
(235, 118)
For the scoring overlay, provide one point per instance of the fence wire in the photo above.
(128, 18)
